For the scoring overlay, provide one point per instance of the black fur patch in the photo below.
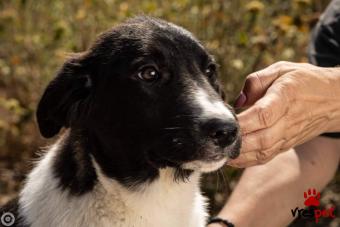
(73, 165)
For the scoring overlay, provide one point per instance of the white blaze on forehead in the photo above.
(211, 108)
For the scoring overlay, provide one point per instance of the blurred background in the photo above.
(36, 36)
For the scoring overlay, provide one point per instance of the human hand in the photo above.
(290, 104)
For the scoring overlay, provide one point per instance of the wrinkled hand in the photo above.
(290, 104)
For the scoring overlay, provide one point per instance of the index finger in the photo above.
(263, 114)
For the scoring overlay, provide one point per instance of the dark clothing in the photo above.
(324, 47)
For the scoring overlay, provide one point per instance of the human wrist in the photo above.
(237, 214)
(333, 110)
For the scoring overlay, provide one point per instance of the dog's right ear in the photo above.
(63, 98)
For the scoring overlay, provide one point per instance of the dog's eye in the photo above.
(148, 74)
(210, 71)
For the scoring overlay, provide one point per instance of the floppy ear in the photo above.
(63, 98)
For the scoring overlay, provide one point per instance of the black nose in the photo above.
(223, 132)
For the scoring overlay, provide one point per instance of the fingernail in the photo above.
(240, 100)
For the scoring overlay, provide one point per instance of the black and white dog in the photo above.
(145, 117)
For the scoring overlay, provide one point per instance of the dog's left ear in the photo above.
(63, 99)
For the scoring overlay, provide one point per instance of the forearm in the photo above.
(265, 194)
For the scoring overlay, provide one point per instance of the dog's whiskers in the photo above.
(217, 181)
(220, 171)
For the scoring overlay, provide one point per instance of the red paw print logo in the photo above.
(312, 197)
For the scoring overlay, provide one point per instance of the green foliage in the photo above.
(37, 35)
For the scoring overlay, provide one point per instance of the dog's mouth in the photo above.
(207, 158)
(212, 163)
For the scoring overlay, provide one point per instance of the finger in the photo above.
(266, 112)
(266, 138)
(257, 158)
(243, 159)
(305, 132)
(257, 83)
(288, 128)
(291, 127)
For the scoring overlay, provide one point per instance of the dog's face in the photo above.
(147, 95)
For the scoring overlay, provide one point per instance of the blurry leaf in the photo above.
(288, 54)
(284, 22)
(12, 105)
(242, 38)
(3, 125)
(88, 3)
(81, 14)
(15, 60)
(259, 40)
(150, 6)
(237, 64)
(194, 10)
(303, 2)
(212, 44)
(60, 29)
(206, 10)
(4, 68)
(8, 14)
(123, 7)
(254, 6)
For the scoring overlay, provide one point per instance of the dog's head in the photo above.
(147, 95)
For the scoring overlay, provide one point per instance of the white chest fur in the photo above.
(163, 203)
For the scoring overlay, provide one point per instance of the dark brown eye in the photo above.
(210, 71)
(148, 74)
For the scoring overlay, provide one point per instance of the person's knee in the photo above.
(322, 157)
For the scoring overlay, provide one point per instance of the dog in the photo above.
(143, 118)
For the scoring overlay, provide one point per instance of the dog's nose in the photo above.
(223, 132)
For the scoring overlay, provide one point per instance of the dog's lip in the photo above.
(217, 157)
(205, 165)
(233, 151)
(230, 152)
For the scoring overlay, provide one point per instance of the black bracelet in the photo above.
(221, 221)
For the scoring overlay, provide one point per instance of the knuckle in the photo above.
(265, 156)
(263, 142)
(288, 89)
(253, 82)
(265, 116)
(252, 78)
(280, 64)
(261, 157)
